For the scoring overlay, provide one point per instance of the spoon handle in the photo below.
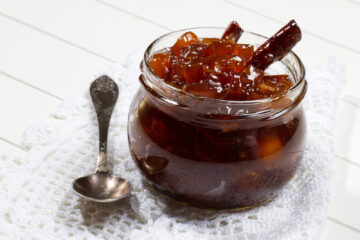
(104, 93)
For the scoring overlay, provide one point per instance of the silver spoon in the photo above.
(102, 186)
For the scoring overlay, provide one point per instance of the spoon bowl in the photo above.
(102, 186)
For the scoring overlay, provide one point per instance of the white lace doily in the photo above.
(37, 201)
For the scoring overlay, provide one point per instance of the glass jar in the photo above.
(216, 153)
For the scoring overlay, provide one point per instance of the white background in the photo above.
(51, 50)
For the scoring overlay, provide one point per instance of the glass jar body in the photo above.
(216, 161)
(215, 153)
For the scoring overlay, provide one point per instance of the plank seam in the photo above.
(57, 38)
(354, 2)
(281, 22)
(132, 14)
(343, 224)
(12, 144)
(355, 104)
(347, 160)
(30, 85)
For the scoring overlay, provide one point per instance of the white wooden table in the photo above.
(51, 49)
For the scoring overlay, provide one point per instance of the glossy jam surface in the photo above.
(216, 68)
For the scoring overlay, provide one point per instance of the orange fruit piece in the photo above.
(160, 64)
(269, 145)
(184, 40)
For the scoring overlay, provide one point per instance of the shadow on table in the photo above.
(94, 213)
(183, 212)
(80, 216)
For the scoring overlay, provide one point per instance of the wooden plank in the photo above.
(44, 62)
(315, 52)
(22, 106)
(356, 2)
(329, 19)
(312, 50)
(345, 194)
(96, 27)
(188, 13)
(347, 133)
(335, 231)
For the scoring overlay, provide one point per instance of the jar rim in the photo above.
(299, 84)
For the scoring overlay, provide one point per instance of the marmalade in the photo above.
(219, 158)
(220, 68)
